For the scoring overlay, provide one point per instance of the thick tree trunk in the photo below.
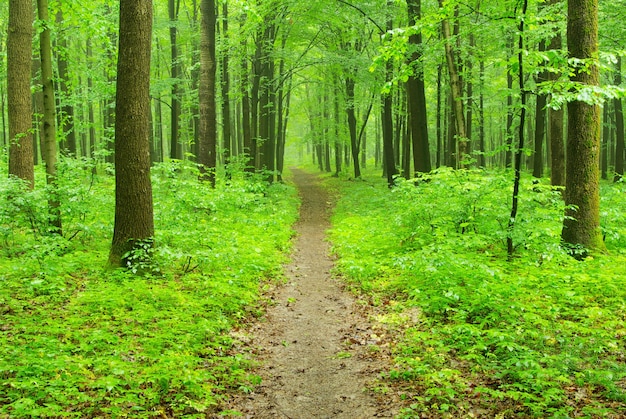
(581, 225)
(207, 150)
(134, 225)
(19, 57)
(417, 96)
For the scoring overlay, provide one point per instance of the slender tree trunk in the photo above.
(556, 117)
(66, 114)
(619, 125)
(456, 92)
(439, 128)
(246, 127)
(481, 117)
(606, 137)
(49, 117)
(226, 131)
(134, 225)
(387, 122)
(207, 150)
(540, 123)
(19, 58)
(581, 225)
(508, 158)
(519, 152)
(352, 128)
(176, 73)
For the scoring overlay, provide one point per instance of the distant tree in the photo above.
(581, 225)
(134, 225)
(19, 62)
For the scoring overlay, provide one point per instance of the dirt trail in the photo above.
(307, 370)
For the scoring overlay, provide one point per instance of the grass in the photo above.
(78, 340)
(542, 335)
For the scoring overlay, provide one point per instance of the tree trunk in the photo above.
(606, 137)
(176, 73)
(417, 96)
(387, 122)
(354, 141)
(556, 117)
(66, 114)
(207, 150)
(581, 225)
(226, 131)
(134, 225)
(456, 92)
(619, 125)
(49, 117)
(19, 57)
(481, 117)
(540, 123)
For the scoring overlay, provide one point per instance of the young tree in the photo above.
(581, 225)
(134, 224)
(19, 57)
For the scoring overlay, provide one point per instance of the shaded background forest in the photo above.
(334, 77)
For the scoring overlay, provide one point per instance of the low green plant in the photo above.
(79, 340)
(541, 335)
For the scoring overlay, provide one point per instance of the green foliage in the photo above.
(77, 340)
(540, 336)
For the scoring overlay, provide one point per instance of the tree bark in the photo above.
(134, 225)
(19, 57)
(581, 225)
(207, 150)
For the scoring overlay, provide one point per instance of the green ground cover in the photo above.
(78, 340)
(542, 335)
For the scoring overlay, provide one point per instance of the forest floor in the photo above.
(312, 343)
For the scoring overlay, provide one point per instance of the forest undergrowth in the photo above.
(79, 340)
(474, 334)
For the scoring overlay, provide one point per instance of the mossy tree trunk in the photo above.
(581, 225)
(134, 225)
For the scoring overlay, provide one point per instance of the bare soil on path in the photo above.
(308, 367)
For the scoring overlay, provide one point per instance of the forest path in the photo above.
(307, 370)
